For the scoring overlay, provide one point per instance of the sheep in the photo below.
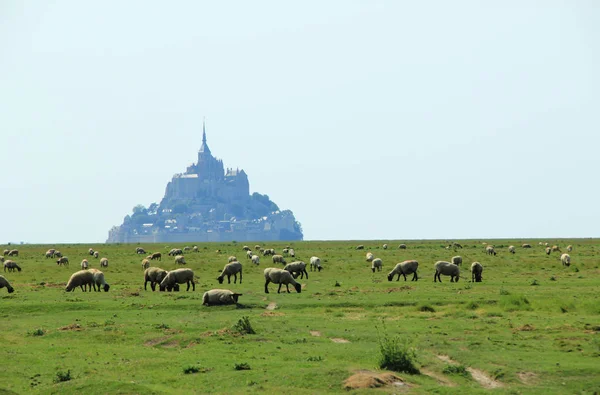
(257, 247)
(268, 251)
(140, 250)
(96, 254)
(279, 259)
(11, 266)
(145, 264)
(315, 263)
(50, 253)
(91, 251)
(195, 249)
(565, 259)
(280, 276)
(457, 260)
(376, 263)
(297, 268)
(402, 247)
(58, 254)
(292, 253)
(249, 254)
(156, 256)
(512, 249)
(255, 259)
(178, 276)
(219, 297)
(548, 250)
(447, 269)
(360, 247)
(569, 248)
(5, 252)
(556, 248)
(476, 270)
(104, 262)
(231, 269)
(370, 256)
(13, 253)
(63, 260)
(385, 246)
(456, 245)
(98, 280)
(85, 264)
(4, 283)
(179, 259)
(490, 250)
(80, 279)
(175, 252)
(526, 245)
(246, 248)
(232, 259)
(154, 275)
(186, 249)
(285, 251)
(404, 268)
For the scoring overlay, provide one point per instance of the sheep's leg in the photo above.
(229, 279)
(287, 286)
(415, 277)
(267, 289)
(279, 289)
(240, 276)
(305, 272)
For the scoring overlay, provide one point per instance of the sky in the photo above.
(368, 119)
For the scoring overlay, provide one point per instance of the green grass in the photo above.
(532, 324)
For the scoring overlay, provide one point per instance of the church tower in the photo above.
(209, 168)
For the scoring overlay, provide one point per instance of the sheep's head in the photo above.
(298, 288)
(106, 287)
(220, 279)
(11, 290)
(235, 297)
(390, 276)
(18, 268)
(320, 268)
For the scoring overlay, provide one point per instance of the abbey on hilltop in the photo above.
(208, 203)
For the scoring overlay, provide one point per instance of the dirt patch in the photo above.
(155, 341)
(220, 332)
(339, 340)
(72, 327)
(447, 359)
(367, 379)
(438, 377)
(171, 344)
(399, 289)
(526, 328)
(272, 314)
(527, 377)
(315, 333)
(271, 306)
(483, 379)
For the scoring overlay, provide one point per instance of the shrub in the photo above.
(161, 326)
(427, 308)
(315, 359)
(535, 282)
(244, 327)
(242, 366)
(62, 376)
(191, 369)
(472, 305)
(456, 369)
(38, 332)
(504, 292)
(397, 355)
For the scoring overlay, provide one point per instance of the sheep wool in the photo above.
(281, 277)
(219, 297)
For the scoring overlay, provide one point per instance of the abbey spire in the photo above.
(204, 147)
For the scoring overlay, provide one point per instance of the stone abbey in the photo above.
(208, 203)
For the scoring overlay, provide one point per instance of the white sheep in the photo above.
(512, 249)
(569, 248)
(63, 260)
(180, 259)
(98, 280)
(385, 246)
(255, 259)
(490, 250)
(96, 254)
(91, 251)
(50, 253)
(280, 276)
(402, 247)
(565, 259)
(376, 264)
(548, 250)
(145, 264)
(404, 268)
(11, 266)
(370, 256)
(447, 269)
(231, 269)
(178, 276)
(13, 253)
(195, 248)
(249, 254)
(297, 268)
(85, 264)
(457, 260)
(187, 249)
(232, 259)
(279, 259)
(154, 275)
(476, 271)
(220, 297)
(4, 283)
(315, 263)
(80, 279)
(526, 245)
(292, 253)
(104, 262)
(285, 251)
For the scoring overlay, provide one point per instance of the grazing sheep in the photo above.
(154, 275)
(548, 250)
(179, 259)
(186, 249)
(175, 252)
(376, 263)
(556, 249)
(231, 269)
(249, 254)
(58, 254)
(140, 250)
(565, 259)
(526, 245)
(370, 256)
(280, 276)
(80, 279)
(145, 264)
(279, 259)
(297, 268)
(11, 266)
(490, 250)
(569, 248)
(99, 281)
(268, 251)
(385, 246)
(63, 260)
(404, 268)
(447, 269)
(315, 263)
(285, 251)
(360, 247)
(292, 253)
(96, 254)
(91, 251)
(512, 249)
(85, 264)
(476, 270)
(156, 255)
(50, 253)
(4, 283)
(219, 297)
(195, 249)
(232, 259)
(456, 245)
(5, 252)
(457, 260)
(104, 262)
(13, 253)
(257, 247)
(246, 248)
(255, 259)
(178, 276)
(402, 247)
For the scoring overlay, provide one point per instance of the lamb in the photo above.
(255, 259)
(404, 268)
(13, 253)
(490, 250)
(96, 254)
(315, 263)
(370, 256)
(178, 276)
(179, 259)
(85, 264)
(80, 279)
(99, 281)
(11, 266)
(155, 275)
(376, 263)
(140, 250)
(280, 276)
(565, 259)
(476, 270)
(457, 260)
(548, 250)
(526, 245)
(145, 264)
(402, 247)
(104, 262)
(4, 283)
(512, 249)
(219, 297)
(360, 247)
(157, 256)
(447, 269)
(63, 260)
(231, 269)
(279, 259)
(232, 259)
(385, 246)
(297, 268)
(569, 248)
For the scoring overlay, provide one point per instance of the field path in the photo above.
(478, 375)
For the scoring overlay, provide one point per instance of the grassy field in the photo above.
(531, 326)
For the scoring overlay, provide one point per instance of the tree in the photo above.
(153, 209)
(140, 210)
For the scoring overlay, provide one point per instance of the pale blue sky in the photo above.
(368, 119)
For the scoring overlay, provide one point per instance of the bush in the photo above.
(456, 369)
(426, 308)
(242, 366)
(315, 359)
(244, 327)
(397, 355)
(62, 376)
(38, 332)
(191, 369)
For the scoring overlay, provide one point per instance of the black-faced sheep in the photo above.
(476, 271)
(376, 264)
(156, 256)
(232, 259)
(370, 256)
(280, 276)
(548, 250)
(4, 283)
(402, 247)
(13, 253)
(279, 259)
(180, 260)
(404, 268)
(219, 297)
(140, 250)
(63, 260)
(385, 246)
(447, 269)
(556, 249)
(512, 249)
(178, 276)
(50, 253)
(85, 264)
(145, 264)
(91, 251)
(98, 280)
(569, 248)
(565, 259)
(315, 263)
(104, 262)
(457, 260)
(297, 268)
(11, 266)
(96, 254)
(154, 275)
(195, 249)
(255, 259)
(526, 245)
(490, 250)
(231, 269)
(360, 247)
(246, 248)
